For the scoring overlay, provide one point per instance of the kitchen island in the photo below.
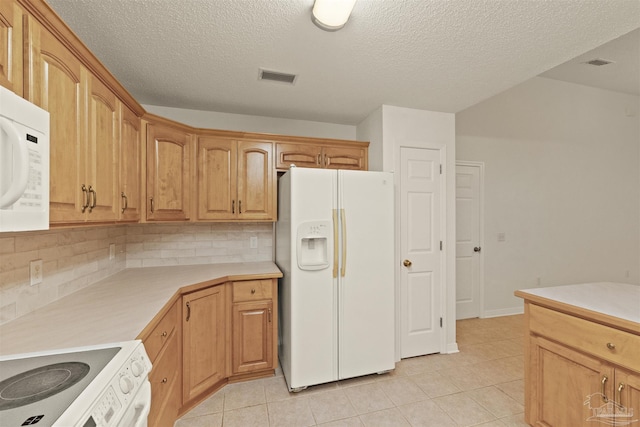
(582, 354)
(202, 326)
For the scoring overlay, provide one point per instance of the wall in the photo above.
(245, 123)
(78, 257)
(390, 128)
(562, 180)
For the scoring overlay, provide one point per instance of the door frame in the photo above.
(447, 312)
(480, 166)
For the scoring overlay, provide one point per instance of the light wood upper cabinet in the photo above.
(310, 154)
(235, 180)
(103, 153)
(57, 83)
(256, 184)
(204, 329)
(169, 153)
(11, 46)
(130, 161)
(344, 158)
(85, 132)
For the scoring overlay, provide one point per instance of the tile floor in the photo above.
(482, 385)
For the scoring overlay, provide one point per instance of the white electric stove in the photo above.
(97, 386)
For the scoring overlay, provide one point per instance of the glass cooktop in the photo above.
(37, 390)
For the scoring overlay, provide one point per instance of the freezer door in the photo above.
(313, 290)
(366, 279)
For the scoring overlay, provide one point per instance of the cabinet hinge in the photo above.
(440, 244)
(441, 322)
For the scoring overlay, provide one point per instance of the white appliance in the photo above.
(96, 386)
(24, 164)
(335, 246)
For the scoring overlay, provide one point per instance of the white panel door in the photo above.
(468, 249)
(421, 282)
(366, 297)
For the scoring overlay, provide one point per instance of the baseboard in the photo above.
(452, 348)
(503, 312)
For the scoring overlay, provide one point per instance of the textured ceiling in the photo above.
(441, 55)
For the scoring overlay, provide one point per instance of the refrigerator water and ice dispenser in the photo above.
(313, 244)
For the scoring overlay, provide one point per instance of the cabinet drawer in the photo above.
(619, 347)
(161, 333)
(252, 290)
(165, 396)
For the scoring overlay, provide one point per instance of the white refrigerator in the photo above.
(335, 247)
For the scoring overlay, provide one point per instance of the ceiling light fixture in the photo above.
(331, 15)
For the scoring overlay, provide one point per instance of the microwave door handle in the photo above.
(21, 153)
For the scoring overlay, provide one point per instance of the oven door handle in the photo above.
(142, 405)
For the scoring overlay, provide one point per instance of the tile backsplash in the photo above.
(78, 257)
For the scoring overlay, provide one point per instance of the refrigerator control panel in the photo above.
(313, 245)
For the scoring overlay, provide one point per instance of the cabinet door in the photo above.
(56, 83)
(11, 46)
(168, 173)
(203, 340)
(344, 158)
(217, 178)
(252, 336)
(102, 170)
(256, 189)
(566, 385)
(627, 396)
(129, 163)
(302, 155)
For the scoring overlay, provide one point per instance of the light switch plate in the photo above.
(253, 242)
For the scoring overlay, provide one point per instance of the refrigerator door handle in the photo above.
(343, 223)
(335, 243)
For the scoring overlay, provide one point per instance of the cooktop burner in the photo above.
(39, 383)
(39, 388)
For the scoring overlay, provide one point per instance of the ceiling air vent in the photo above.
(599, 62)
(276, 76)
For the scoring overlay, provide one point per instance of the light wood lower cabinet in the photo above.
(210, 336)
(163, 347)
(203, 346)
(253, 323)
(579, 372)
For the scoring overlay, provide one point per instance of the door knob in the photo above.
(406, 263)
(477, 249)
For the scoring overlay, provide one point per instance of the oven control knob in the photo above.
(126, 385)
(137, 368)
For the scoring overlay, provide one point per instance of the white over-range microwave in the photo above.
(24, 164)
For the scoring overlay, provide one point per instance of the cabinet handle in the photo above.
(164, 380)
(327, 161)
(164, 334)
(126, 201)
(319, 159)
(611, 346)
(269, 315)
(233, 206)
(619, 390)
(188, 310)
(86, 198)
(603, 392)
(92, 204)
(253, 291)
(152, 205)
(239, 206)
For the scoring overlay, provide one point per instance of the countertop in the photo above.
(615, 304)
(117, 308)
